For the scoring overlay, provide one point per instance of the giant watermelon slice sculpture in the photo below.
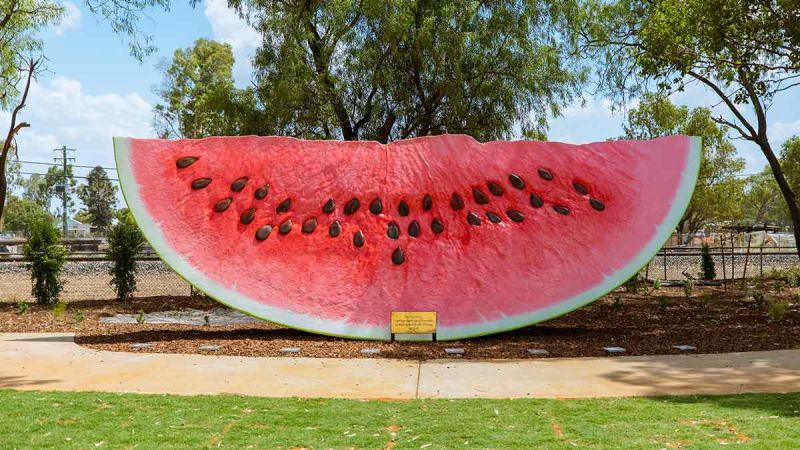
(331, 236)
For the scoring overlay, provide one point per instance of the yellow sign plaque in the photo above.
(413, 322)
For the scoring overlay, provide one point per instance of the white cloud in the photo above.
(71, 19)
(61, 113)
(228, 27)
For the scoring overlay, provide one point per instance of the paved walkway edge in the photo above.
(52, 361)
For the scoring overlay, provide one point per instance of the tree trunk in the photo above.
(786, 190)
(3, 187)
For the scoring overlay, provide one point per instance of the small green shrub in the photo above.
(758, 298)
(633, 284)
(46, 258)
(656, 284)
(78, 315)
(779, 286)
(125, 241)
(616, 304)
(688, 287)
(663, 301)
(22, 307)
(59, 309)
(706, 301)
(777, 310)
(707, 269)
(140, 317)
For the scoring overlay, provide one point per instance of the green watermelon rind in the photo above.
(234, 299)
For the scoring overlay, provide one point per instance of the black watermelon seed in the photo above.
(285, 227)
(247, 216)
(427, 202)
(494, 218)
(545, 174)
(239, 184)
(262, 191)
(516, 181)
(402, 208)
(329, 206)
(223, 204)
(494, 188)
(309, 225)
(376, 207)
(335, 229)
(536, 201)
(200, 183)
(393, 231)
(479, 196)
(473, 219)
(597, 204)
(185, 162)
(413, 229)
(284, 206)
(358, 239)
(563, 210)
(437, 226)
(263, 232)
(579, 188)
(352, 206)
(515, 215)
(456, 202)
(398, 256)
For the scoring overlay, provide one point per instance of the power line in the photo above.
(73, 176)
(73, 165)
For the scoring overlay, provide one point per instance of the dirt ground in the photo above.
(712, 319)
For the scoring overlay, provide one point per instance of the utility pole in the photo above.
(65, 184)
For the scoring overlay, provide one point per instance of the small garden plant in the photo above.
(777, 310)
(22, 307)
(46, 257)
(707, 269)
(125, 241)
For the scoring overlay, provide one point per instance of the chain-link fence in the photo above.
(87, 277)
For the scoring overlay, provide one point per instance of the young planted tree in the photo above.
(745, 52)
(381, 70)
(99, 197)
(718, 192)
(707, 269)
(125, 241)
(45, 257)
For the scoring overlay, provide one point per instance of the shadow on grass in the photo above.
(781, 405)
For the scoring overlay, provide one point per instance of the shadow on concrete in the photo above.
(46, 339)
(202, 335)
(722, 374)
(17, 382)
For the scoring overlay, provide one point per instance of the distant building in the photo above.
(75, 229)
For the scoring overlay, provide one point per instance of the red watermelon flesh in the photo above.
(544, 227)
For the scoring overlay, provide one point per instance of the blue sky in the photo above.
(94, 89)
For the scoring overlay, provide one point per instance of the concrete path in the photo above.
(52, 361)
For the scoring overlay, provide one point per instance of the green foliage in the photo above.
(391, 70)
(140, 318)
(777, 309)
(22, 307)
(46, 258)
(200, 98)
(707, 269)
(78, 315)
(634, 284)
(20, 213)
(125, 241)
(759, 300)
(656, 283)
(45, 189)
(779, 286)
(59, 309)
(616, 304)
(688, 287)
(99, 197)
(663, 301)
(718, 192)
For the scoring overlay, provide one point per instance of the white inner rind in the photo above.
(237, 300)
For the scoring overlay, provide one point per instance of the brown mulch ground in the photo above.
(713, 320)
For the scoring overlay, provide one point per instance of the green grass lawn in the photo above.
(100, 420)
